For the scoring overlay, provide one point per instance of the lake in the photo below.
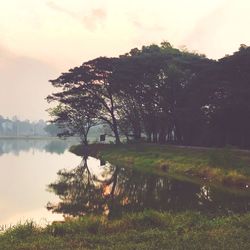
(42, 181)
(27, 167)
(97, 187)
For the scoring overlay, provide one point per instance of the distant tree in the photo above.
(16, 127)
(52, 129)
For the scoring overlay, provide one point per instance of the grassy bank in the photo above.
(222, 166)
(147, 230)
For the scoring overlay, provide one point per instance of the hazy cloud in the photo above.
(95, 17)
(58, 8)
(139, 20)
(23, 85)
(4, 52)
(154, 27)
(206, 29)
(34, 28)
(90, 20)
(219, 30)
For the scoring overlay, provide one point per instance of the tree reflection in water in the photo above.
(112, 190)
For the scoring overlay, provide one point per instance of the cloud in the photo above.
(91, 20)
(4, 53)
(24, 85)
(207, 26)
(95, 17)
(58, 8)
(222, 30)
(143, 25)
(151, 27)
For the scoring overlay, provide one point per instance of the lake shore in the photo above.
(150, 229)
(226, 167)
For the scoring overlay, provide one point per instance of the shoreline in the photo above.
(226, 167)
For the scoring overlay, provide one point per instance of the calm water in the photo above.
(97, 187)
(27, 167)
(39, 177)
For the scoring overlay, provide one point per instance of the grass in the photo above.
(228, 167)
(147, 230)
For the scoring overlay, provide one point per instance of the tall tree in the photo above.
(223, 93)
(91, 81)
(153, 83)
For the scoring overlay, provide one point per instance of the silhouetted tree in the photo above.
(167, 94)
(91, 82)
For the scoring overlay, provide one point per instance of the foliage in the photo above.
(52, 129)
(147, 230)
(75, 116)
(88, 90)
(164, 94)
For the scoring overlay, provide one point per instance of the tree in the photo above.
(52, 129)
(91, 82)
(167, 94)
(75, 115)
(222, 94)
(152, 83)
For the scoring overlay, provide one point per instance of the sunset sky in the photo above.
(42, 38)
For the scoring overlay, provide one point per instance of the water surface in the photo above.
(96, 187)
(27, 167)
(41, 180)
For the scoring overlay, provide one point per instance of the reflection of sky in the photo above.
(102, 173)
(23, 181)
(15, 146)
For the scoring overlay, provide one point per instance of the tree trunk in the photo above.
(149, 137)
(162, 136)
(115, 130)
(155, 137)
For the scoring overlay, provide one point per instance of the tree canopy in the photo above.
(163, 94)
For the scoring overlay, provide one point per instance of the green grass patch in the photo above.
(224, 166)
(146, 230)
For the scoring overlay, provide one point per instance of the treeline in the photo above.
(161, 93)
(15, 128)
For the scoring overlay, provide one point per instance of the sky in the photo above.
(42, 38)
